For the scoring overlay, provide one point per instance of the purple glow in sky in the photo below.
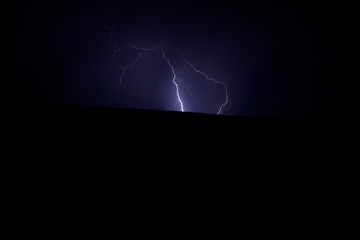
(142, 52)
(255, 59)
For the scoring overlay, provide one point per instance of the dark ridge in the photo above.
(67, 116)
(57, 140)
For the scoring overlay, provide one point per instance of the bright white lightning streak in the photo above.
(174, 77)
(209, 78)
(146, 51)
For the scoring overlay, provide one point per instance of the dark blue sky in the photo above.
(276, 58)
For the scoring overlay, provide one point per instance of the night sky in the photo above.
(278, 59)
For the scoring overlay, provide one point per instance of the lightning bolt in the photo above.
(142, 52)
(174, 78)
(206, 76)
(147, 51)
